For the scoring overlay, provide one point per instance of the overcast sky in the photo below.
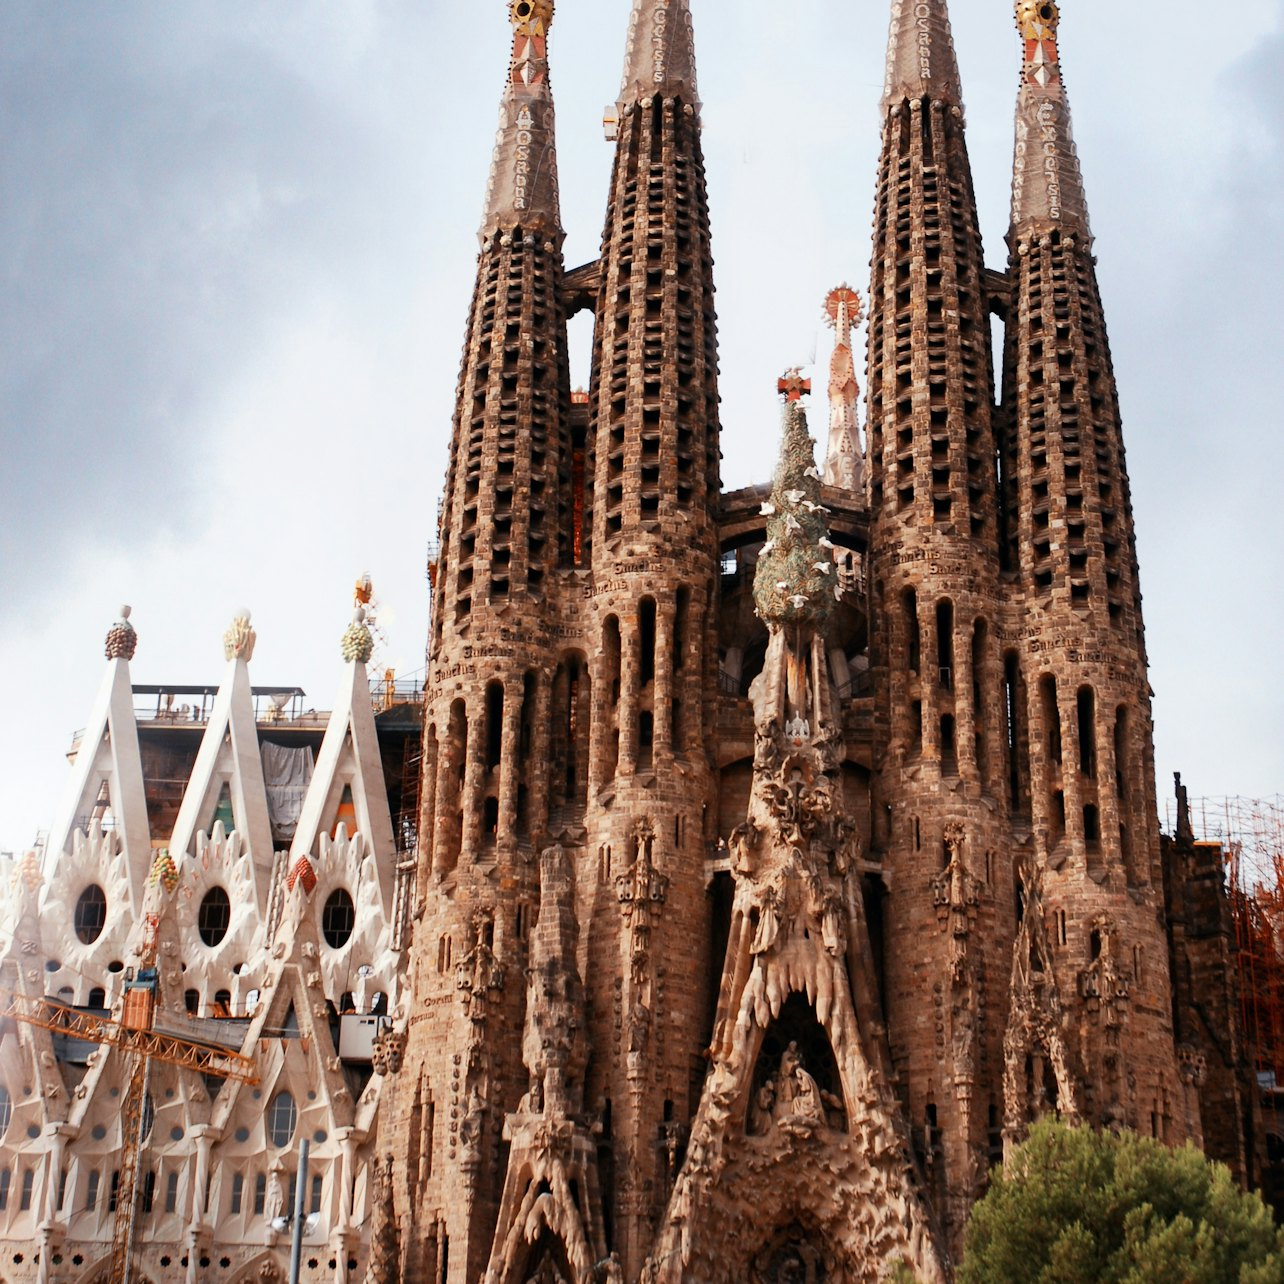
(237, 242)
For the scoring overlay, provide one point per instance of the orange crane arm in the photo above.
(167, 1048)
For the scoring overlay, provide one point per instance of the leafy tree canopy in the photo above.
(1076, 1206)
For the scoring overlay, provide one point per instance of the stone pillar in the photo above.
(510, 761)
(540, 750)
(474, 779)
(205, 1137)
(630, 664)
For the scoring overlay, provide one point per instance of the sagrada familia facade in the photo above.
(754, 868)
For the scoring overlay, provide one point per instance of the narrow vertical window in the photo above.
(1087, 716)
(91, 1191)
(238, 1193)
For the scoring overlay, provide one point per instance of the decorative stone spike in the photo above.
(358, 642)
(238, 641)
(122, 640)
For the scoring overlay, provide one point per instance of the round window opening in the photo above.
(215, 915)
(283, 1115)
(91, 914)
(338, 919)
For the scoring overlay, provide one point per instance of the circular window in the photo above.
(338, 918)
(91, 914)
(6, 1110)
(214, 916)
(283, 1115)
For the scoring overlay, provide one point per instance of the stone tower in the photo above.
(941, 830)
(785, 852)
(1085, 777)
(497, 699)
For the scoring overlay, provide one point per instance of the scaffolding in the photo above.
(1250, 832)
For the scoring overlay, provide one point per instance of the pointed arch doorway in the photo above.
(793, 1256)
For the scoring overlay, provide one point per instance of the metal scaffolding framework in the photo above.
(1251, 834)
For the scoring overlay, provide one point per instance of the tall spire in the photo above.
(660, 58)
(920, 54)
(523, 174)
(1047, 187)
(843, 464)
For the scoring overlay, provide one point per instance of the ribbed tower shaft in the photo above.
(937, 615)
(1069, 527)
(505, 531)
(650, 615)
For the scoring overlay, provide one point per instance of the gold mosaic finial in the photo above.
(1037, 19)
(122, 641)
(531, 17)
(238, 641)
(1037, 22)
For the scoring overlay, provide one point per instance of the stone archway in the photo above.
(794, 1255)
(264, 1269)
(546, 1263)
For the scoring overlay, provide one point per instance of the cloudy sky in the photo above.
(236, 253)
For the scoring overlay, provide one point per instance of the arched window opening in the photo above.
(1091, 824)
(97, 997)
(949, 748)
(191, 1002)
(283, 1117)
(916, 727)
(646, 641)
(526, 732)
(490, 819)
(1087, 718)
(913, 633)
(494, 724)
(646, 737)
(1051, 717)
(680, 627)
(945, 643)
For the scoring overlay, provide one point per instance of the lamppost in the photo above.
(297, 1221)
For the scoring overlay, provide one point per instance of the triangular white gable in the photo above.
(108, 754)
(229, 754)
(350, 757)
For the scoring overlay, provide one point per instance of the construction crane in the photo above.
(138, 1034)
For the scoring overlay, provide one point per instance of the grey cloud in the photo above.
(168, 181)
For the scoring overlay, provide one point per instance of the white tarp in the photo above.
(286, 773)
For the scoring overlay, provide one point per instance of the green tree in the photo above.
(1076, 1206)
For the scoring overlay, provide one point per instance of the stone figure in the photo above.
(761, 1112)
